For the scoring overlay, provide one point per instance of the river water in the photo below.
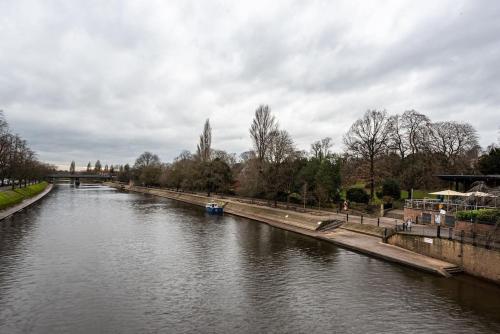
(94, 260)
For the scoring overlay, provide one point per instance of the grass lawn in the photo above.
(417, 194)
(12, 197)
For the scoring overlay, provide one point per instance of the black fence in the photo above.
(487, 240)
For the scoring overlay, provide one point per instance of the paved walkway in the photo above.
(373, 246)
(27, 202)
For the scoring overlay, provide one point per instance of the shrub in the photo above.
(466, 215)
(391, 187)
(488, 215)
(357, 195)
(482, 215)
(295, 198)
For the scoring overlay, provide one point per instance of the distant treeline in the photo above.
(18, 163)
(405, 151)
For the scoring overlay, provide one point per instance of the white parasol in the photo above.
(479, 194)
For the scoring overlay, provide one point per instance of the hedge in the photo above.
(357, 195)
(485, 215)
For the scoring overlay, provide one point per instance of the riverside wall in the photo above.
(24, 204)
(475, 260)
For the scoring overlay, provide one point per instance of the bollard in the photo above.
(385, 234)
(439, 232)
(378, 221)
(361, 219)
(347, 219)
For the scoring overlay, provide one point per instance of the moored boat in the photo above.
(214, 208)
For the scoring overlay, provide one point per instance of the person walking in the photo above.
(409, 224)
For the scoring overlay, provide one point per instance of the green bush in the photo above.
(484, 215)
(489, 215)
(357, 195)
(391, 187)
(295, 198)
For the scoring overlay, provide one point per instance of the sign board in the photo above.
(428, 240)
(437, 219)
(443, 212)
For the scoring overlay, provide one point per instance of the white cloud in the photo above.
(106, 80)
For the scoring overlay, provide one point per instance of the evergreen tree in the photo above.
(97, 166)
(72, 167)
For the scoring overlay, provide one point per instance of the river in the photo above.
(95, 260)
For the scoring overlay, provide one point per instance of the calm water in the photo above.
(93, 260)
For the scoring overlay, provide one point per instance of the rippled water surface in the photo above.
(94, 260)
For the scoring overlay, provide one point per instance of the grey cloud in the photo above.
(91, 80)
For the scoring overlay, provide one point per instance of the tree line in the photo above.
(18, 162)
(97, 168)
(382, 151)
(410, 148)
(274, 169)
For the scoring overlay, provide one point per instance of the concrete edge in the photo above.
(385, 258)
(361, 232)
(6, 213)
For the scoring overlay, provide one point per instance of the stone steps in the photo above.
(454, 270)
(330, 225)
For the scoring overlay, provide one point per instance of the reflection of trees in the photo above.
(13, 231)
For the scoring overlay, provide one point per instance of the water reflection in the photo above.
(91, 259)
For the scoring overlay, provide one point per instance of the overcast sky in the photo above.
(87, 80)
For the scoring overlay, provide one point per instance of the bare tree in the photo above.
(147, 169)
(72, 167)
(280, 153)
(281, 147)
(452, 140)
(18, 163)
(263, 125)
(321, 148)
(368, 138)
(146, 159)
(204, 147)
(417, 128)
(409, 133)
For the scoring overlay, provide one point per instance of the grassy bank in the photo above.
(12, 197)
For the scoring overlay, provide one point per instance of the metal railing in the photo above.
(450, 206)
(487, 240)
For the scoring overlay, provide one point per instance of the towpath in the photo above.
(27, 202)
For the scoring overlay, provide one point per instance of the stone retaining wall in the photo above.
(475, 260)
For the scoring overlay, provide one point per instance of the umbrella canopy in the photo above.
(448, 192)
(479, 194)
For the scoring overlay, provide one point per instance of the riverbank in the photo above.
(357, 238)
(21, 198)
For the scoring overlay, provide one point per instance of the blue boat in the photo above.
(214, 208)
